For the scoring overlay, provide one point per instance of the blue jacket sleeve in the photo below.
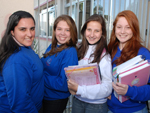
(141, 93)
(18, 82)
(70, 58)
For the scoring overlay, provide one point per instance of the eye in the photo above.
(58, 29)
(88, 29)
(22, 29)
(33, 28)
(67, 30)
(128, 27)
(118, 27)
(97, 30)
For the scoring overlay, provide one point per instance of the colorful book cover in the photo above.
(124, 66)
(84, 75)
(137, 75)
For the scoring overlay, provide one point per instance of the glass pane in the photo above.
(106, 10)
(95, 7)
(117, 4)
(43, 23)
(74, 10)
(51, 17)
(133, 5)
(51, 22)
(106, 16)
(127, 4)
(67, 1)
(122, 5)
(40, 24)
(68, 10)
(100, 8)
(88, 7)
(80, 16)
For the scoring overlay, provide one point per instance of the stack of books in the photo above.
(134, 72)
(84, 74)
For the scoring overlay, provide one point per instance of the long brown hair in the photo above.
(102, 44)
(8, 46)
(73, 33)
(132, 46)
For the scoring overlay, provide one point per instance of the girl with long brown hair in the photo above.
(60, 54)
(93, 48)
(125, 43)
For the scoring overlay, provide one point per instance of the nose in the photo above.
(29, 34)
(62, 32)
(123, 30)
(92, 33)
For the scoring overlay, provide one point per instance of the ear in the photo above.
(12, 32)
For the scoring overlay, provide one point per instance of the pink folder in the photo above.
(137, 75)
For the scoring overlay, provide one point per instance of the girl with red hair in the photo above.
(125, 43)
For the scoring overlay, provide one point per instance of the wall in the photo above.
(7, 7)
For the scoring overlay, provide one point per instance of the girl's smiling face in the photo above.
(62, 32)
(123, 31)
(24, 32)
(93, 32)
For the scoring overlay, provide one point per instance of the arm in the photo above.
(141, 93)
(60, 82)
(18, 82)
(102, 90)
(133, 92)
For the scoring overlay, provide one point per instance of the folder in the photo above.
(134, 75)
(84, 74)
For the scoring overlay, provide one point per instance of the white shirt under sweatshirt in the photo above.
(96, 94)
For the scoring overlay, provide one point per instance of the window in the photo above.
(80, 10)
(44, 25)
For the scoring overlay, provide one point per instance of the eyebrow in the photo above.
(121, 25)
(64, 28)
(25, 27)
(33, 27)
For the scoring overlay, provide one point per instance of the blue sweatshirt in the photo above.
(138, 95)
(55, 80)
(22, 83)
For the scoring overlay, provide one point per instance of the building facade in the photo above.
(47, 10)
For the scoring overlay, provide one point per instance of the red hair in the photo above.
(133, 45)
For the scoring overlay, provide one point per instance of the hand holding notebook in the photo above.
(134, 72)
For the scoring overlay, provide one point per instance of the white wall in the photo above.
(7, 7)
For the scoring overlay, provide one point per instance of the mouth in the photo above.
(62, 38)
(28, 39)
(91, 39)
(123, 36)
